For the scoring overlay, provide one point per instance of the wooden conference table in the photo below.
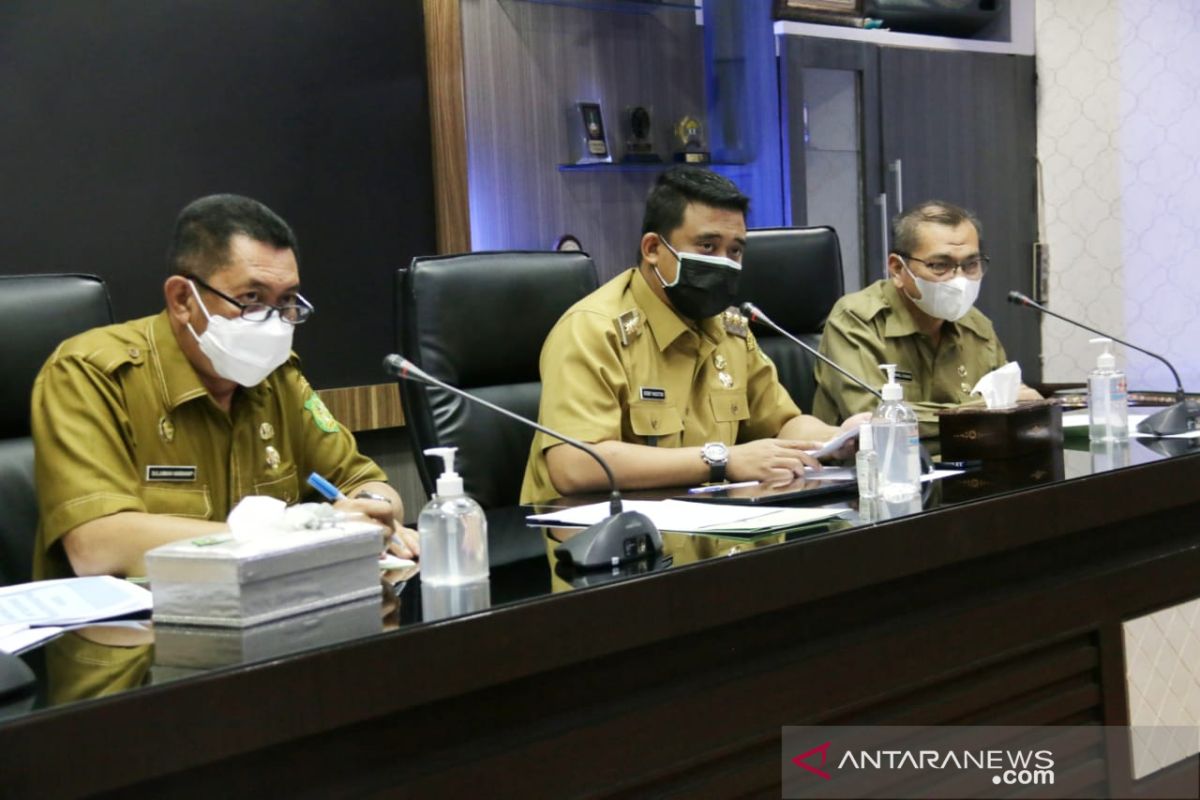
(1000, 603)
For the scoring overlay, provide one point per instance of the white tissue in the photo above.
(256, 514)
(999, 387)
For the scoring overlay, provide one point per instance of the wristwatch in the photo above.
(716, 455)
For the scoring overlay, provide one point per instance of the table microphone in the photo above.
(624, 536)
(1178, 418)
(755, 314)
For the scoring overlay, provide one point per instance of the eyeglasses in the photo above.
(973, 268)
(294, 313)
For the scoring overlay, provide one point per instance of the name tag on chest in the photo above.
(903, 376)
(157, 472)
(649, 393)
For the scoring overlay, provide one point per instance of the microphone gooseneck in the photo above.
(625, 535)
(1178, 418)
(755, 314)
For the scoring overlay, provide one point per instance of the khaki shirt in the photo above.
(875, 326)
(121, 422)
(621, 365)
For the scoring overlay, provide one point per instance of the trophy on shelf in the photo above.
(639, 143)
(586, 127)
(689, 133)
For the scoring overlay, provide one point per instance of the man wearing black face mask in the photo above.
(659, 372)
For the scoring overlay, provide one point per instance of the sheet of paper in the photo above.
(938, 474)
(71, 600)
(22, 639)
(778, 518)
(666, 515)
(834, 444)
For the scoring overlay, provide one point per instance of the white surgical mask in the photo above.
(242, 351)
(949, 300)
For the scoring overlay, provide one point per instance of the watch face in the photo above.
(715, 452)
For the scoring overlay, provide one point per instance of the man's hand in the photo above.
(770, 459)
(398, 540)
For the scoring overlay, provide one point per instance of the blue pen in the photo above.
(327, 489)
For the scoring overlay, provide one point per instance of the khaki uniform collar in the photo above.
(665, 325)
(901, 321)
(177, 378)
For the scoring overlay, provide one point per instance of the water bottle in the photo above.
(1108, 405)
(453, 530)
(897, 443)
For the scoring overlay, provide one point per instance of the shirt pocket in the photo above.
(658, 423)
(729, 408)
(285, 487)
(177, 501)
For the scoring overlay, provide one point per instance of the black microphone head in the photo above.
(1016, 297)
(749, 310)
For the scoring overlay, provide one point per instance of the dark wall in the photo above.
(115, 113)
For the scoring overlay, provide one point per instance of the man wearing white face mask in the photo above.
(152, 430)
(921, 318)
(659, 373)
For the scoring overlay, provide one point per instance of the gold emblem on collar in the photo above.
(719, 361)
(735, 323)
(166, 429)
(962, 371)
(265, 431)
(272, 457)
(629, 326)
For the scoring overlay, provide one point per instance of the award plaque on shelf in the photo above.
(639, 141)
(689, 133)
(586, 127)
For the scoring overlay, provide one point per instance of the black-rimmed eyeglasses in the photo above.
(295, 313)
(973, 268)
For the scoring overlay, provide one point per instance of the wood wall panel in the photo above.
(525, 64)
(448, 124)
(365, 408)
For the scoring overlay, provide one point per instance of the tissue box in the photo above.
(983, 433)
(203, 647)
(233, 581)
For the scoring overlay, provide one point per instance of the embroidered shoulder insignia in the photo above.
(629, 326)
(735, 324)
(320, 414)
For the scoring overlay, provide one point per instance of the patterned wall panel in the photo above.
(1117, 122)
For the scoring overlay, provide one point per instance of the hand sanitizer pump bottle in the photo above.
(453, 530)
(897, 443)
(1108, 405)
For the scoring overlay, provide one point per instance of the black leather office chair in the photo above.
(477, 321)
(37, 312)
(795, 276)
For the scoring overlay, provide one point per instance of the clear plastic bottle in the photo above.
(866, 464)
(453, 531)
(897, 443)
(1108, 405)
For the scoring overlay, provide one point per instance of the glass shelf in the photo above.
(625, 6)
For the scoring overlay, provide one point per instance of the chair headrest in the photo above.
(37, 312)
(516, 297)
(793, 274)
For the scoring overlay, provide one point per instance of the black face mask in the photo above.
(704, 285)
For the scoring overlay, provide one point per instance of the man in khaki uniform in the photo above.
(922, 319)
(656, 370)
(152, 430)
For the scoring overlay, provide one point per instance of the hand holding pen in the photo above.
(400, 541)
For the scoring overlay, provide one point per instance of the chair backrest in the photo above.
(37, 312)
(795, 276)
(478, 321)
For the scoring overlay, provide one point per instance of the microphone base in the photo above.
(1179, 418)
(628, 536)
